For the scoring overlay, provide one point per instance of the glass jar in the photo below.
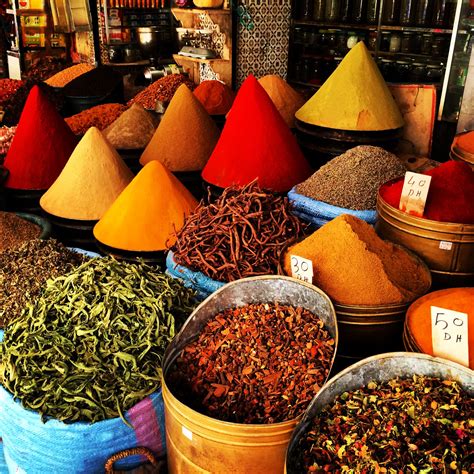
(407, 12)
(323, 39)
(434, 73)
(359, 11)
(332, 10)
(319, 10)
(418, 73)
(385, 41)
(441, 13)
(373, 11)
(407, 43)
(298, 35)
(346, 11)
(395, 43)
(426, 41)
(438, 46)
(390, 12)
(372, 43)
(341, 42)
(352, 39)
(331, 41)
(306, 10)
(387, 69)
(424, 13)
(403, 70)
(306, 70)
(316, 76)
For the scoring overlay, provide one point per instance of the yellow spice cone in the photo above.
(186, 136)
(92, 179)
(147, 213)
(285, 98)
(354, 97)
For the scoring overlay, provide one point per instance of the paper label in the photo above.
(443, 245)
(301, 268)
(414, 193)
(450, 335)
(187, 433)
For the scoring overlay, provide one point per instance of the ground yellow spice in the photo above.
(355, 267)
(65, 76)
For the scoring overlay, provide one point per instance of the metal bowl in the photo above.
(43, 223)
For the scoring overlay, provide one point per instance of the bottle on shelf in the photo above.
(390, 12)
(407, 12)
(332, 10)
(395, 43)
(424, 13)
(408, 42)
(441, 13)
(373, 11)
(426, 42)
(319, 8)
(346, 11)
(306, 10)
(359, 11)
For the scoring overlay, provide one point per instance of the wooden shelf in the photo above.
(197, 11)
(177, 57)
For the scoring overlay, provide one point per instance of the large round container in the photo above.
(378, 368)
(447, 248)
(197, 443)
(150, 258)
(22, 200)
(44, 224)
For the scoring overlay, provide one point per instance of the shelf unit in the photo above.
(220, 22)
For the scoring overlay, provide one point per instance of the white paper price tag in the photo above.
(414, 193)
(450, 335)
(301, 268)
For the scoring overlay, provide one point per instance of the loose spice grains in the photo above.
(24, 271)
(100, 116)
(14, 230)
(260, 363)
(421, 424)
(91, 346)
(241, 234)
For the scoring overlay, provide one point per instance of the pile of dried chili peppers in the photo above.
(241, 234)
(260, 363)
(422, 424)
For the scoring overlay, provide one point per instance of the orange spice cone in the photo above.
(147, 213)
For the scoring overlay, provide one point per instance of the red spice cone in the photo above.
(256, 143)
(41, 147)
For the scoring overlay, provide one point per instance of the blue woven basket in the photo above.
(199, 282)
(320, 213)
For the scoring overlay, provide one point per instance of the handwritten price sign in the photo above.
(301, 268)
(450, 335)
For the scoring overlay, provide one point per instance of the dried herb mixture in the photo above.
(422, 424)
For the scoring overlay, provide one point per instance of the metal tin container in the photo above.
(198, 443)
(378, 368)
(447, 248)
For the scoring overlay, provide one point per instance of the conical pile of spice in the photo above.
(286, 99)
(132, 130)
(418, 320)
(147, 213)
(186, 136)
(14, 230)
(354, 97)
(352, 180)
(67, 75)
(216, 97)
(90, 182)
(41, 147)
(450, 196)
(242, 234)
(465, 142)
(356, 267)
(256, 144)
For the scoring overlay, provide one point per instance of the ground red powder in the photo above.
(41, 147)
(215, 96)
(466, 142)
(451, 194)
(256, 143)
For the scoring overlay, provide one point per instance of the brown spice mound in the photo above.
(14, 230)
(65, 76)
(352, 180)
(356, 267)
(100, 116)
(24, 271)
(260, 363)
(162, 90)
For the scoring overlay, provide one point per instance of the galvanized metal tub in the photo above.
(379, 368)
(198, 443)
(447, 248)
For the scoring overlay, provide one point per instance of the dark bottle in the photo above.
(332, 10)
(424, 13)
(346, 13)
(359, 11)
(407, 12)
(306, 10)
(318, 10)
(372, 11)
(390, 12)
(440, 13)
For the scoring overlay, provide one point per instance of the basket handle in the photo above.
(109, 465)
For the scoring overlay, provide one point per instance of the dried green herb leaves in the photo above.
(422, 424)
(91, 346)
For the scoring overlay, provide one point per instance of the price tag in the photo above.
(450, 335)
(443, 245)
(301, 268)
(414, 193)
